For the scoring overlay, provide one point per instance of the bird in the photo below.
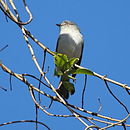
(70, 42)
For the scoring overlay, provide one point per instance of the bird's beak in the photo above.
(58, 25)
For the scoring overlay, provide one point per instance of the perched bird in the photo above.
(70, 42)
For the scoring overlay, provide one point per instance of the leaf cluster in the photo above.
(65, 67)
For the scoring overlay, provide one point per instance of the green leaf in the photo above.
(57, 72)
(69, 86)
(83, 71)
(68, 66)
(65, 66)
(72, 61)
(60, 60)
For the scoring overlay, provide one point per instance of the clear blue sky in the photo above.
(105, 25)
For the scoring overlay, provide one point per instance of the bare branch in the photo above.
(24, 121)
(16, 18)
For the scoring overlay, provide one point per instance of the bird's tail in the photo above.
(63, 91)
(65, 88)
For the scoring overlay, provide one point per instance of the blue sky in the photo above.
(105, 25)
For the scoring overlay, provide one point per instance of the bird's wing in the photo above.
(57, 44)
(81, 53)
(78, 63)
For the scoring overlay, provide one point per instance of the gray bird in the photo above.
(70, 42)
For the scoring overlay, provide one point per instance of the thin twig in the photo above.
(116, 97)
(37, 80)
(10, 82)
(106, 79)
(121, 121)
(9, 14)
(3, 88)
(43, 64)
(92, 126)
(3, 48)
(24, 121)
(83, 92)
(112, 81)
(15, 9)
(100, 105)
(39, 87)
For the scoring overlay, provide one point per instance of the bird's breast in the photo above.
(70, 45)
